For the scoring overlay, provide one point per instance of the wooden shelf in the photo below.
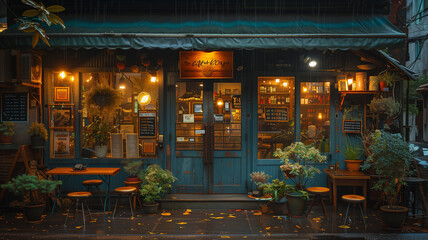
(344, 93)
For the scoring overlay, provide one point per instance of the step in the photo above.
(211, 201)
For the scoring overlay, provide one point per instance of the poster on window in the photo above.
(61, 143)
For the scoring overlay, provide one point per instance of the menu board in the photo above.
(352, 126)
(147, 124)
(278, 114)
(14, 107)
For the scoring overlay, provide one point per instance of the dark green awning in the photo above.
(207, 33)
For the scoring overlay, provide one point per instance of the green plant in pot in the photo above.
(98, 134)
(39, 134)
(279, 192)
(384, 107)
(352, 153)
(156, 181)
(132, 167)
(391, 159)
(34, 192)
(7, 129)
(297, 164)
(259, 178)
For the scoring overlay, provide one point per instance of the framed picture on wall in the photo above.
(61, 143)
(61, 116)
(343, 85)
(62, 94)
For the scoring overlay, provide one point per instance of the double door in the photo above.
(208, 138)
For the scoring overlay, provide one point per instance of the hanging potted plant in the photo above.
(352, 153)
(384, 107)
(391, 159)
(39, 135)
(7, 129)
(259, 178)
(297, 165)
(34, 192)
(156, 181)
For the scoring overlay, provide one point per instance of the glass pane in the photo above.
(315, 114)
(189, 116)
(227, 116)
(275, 114)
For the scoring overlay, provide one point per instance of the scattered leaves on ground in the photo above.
(344, 226)
(182, 223)
(166, 214)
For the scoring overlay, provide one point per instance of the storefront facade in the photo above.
(220, 102)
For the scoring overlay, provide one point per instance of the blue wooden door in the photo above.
(208, 138)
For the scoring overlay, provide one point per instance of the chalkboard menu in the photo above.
(14, 107)
(147, 124)
(352, 126)
(279, 114)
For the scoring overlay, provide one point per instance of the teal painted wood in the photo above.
(227, 177)
(190, 174)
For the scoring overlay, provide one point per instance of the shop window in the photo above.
(61, 115)
(275, 114)
(315, 114)
(134, 122)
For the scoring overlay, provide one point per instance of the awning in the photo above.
(222, 32)
(396, 63)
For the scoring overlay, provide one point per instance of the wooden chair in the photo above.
(318, 191)
(129, 191)
(354, 199)
(93, 186)
(79, 197)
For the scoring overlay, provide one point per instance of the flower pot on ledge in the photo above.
(353, 165)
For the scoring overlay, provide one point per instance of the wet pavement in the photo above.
(209, 224)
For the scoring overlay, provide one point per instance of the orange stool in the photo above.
(82, 197)
(93, 186)
(125, 191)
(354, 199)
(318, 191)
(135, 194)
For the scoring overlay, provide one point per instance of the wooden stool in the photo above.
(125, 191)
(92, 186)
(79, 196)
(354, 199)
(318, 191)
(135, 194)
(413, 183)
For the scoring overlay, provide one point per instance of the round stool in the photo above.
(125, 191)
(82, 197)
(354, 199)
(318, 191)
(413, 183)
(135, 194)
(93, 186)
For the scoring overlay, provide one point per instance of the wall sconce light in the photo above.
(350, 81)
(144, 98)
(220, 102)
(311, 62)
(62, 75)
(277, 80)
(153, 77)
(122, 81)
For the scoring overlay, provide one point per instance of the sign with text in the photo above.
(206, 65)
(147, 124)
(14, 107)
(352, 126)
(276, 114)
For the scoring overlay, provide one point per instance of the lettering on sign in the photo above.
(352, 126)
(147, 124)
(14, 107)
(206, 65)
(278, 114)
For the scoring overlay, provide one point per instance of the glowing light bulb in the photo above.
(305, 89)
(153, 79)
(285, 84)
(277, 80)
(72, 78)
(312, 63)
(62, 74)
(122, 87)
(320, 115)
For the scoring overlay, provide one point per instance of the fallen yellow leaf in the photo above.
(224, 237)
(257, 213)
(166, 214)
(188, 210)
(316, 219)
(267, 228)
(182, 223)
(186, 213)
(344, 226)
(297, 226)
(169, 220)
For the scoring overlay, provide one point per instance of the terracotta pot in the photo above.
(5, 139)
(382, 85)
(353, 165)
(394, 217)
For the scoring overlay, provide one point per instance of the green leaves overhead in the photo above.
(30, 22)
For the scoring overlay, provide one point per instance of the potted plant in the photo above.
(386, 80)
(7, 129)
(132, 167)
(259, 178)
(384, 106)
(98, 133)
(102, 100)
(156, 181)
(297, 160)
(34, 192)
(39, 134)
(352, 153)
(277, 190)
(391, 159)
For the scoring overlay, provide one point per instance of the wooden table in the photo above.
(104, 173)
(344, 177)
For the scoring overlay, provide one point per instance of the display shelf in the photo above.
(344, 93)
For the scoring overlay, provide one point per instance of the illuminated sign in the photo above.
(206, 65)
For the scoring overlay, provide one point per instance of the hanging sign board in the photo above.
(276, 114)
(14, 107)
(352, 126)
(206, 65)
(147, 124)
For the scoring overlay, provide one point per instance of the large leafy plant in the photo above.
(391, 158)
(31, 187)
(7, 129)
(297, 159)
(352, 151)
(98, 133)
(38, 129)
(132, 167)
(156, 181)
(259, 177)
